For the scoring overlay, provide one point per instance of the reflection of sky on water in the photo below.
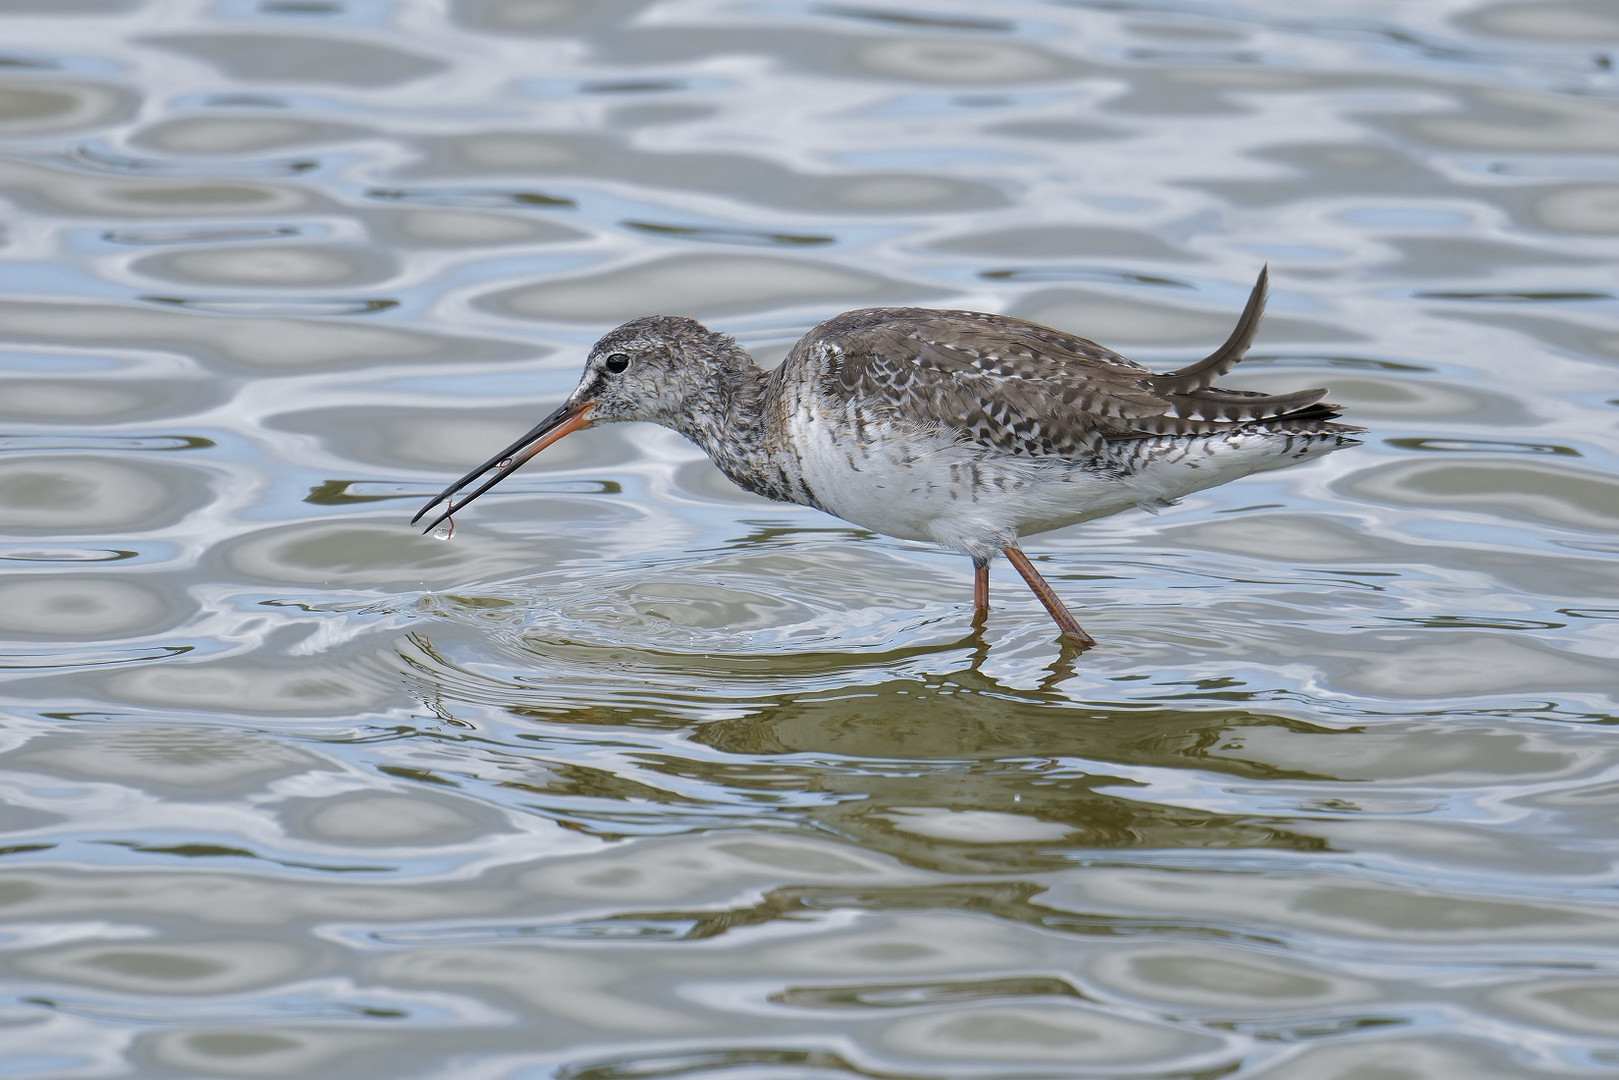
(643, 776)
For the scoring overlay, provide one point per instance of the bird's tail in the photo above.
(1202, 374)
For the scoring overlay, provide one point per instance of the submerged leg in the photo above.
(980, 595)
(1054, 607)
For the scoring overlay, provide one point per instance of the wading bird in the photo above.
(964, 428)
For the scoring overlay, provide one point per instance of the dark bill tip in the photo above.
(564, 421)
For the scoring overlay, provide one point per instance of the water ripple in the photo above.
(643, 777)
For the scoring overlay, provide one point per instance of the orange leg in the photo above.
(980, 597)
(980, 591)
(1054, 607)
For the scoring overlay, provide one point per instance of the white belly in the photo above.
(932, 486)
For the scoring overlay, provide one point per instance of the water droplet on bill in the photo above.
(446, 528)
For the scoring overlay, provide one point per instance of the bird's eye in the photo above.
(617, 363)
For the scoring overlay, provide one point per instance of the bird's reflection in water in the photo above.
(956, 769)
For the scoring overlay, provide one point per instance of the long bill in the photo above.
(565, 421)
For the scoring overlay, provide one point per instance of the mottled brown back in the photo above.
(1026, 389)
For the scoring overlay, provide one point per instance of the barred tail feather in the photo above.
(1200, 375)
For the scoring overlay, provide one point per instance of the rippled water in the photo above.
(643, 777)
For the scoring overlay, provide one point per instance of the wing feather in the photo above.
(1026, 389)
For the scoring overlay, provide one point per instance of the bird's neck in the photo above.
(728, 419)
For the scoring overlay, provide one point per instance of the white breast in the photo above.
(921, 484)
(929, 485)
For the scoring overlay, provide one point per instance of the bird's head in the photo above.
(655, 368)
(650, 369)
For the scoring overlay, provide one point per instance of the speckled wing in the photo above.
(1004, 383)
(1026, 389)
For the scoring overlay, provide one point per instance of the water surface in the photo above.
(643, 777)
